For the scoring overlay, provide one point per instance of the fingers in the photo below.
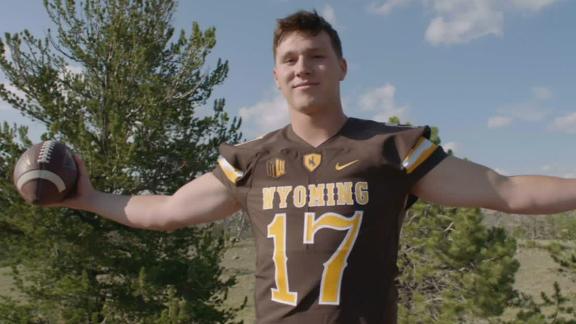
(82, 169)
(80, 163)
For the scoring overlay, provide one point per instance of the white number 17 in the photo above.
(333, 268)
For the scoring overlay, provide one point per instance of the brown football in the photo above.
(46, 173)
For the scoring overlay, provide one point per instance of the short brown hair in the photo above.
(308, 22)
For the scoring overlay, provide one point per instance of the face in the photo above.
(308, 72)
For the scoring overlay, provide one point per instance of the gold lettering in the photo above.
(330, 195)
(299, 197)
(268, 197)
(361, 193)
(316, 195)
(283, 192)
(344, 193)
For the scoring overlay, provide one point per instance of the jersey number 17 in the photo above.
(333, 267)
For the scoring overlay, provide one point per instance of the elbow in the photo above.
(160, 225)
(511, 201)
(164, 223)
(157, 219)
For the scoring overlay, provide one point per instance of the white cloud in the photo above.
(531, 110)
(461, 21)
(542, 93)
(558, 170)
(74, 69)
(499, 121)
(565, 124)
(382, 101)
(453, 146)
(329, 14)
(264, 116)
(3, 104)
(532, 5)
(528, 111)
(387, 6)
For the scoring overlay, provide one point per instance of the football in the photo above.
(46, 173)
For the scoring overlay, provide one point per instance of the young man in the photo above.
(326, 194)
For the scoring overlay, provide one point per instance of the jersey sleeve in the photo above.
(418, 155)
(233, 169)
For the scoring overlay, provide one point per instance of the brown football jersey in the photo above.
(326, 219)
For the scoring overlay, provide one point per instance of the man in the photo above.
(326, 194)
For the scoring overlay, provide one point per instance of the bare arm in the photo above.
(459, 183)
(202, 200)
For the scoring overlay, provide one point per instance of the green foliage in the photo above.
(116, 83)
(452, 267)
(555, 308)
(434, 131)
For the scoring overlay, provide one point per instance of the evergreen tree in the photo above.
(452, 268)
(119, 85)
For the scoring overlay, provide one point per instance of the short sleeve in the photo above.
(233, 169)
(418, 154)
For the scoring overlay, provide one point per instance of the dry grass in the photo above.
(241, 261)
(537, 273)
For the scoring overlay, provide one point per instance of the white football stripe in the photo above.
(41, 174)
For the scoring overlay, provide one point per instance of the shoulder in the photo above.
(259, 144)
(365, 129)
(241, 155)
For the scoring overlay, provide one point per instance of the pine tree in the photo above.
(120, 86)
(452, 268)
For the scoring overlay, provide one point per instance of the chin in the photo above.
(307, 109)
(308, 105)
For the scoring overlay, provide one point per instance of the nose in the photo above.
(303, 67)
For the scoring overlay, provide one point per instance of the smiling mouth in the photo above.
(305, 85)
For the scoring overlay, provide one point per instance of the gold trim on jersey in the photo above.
(276, 168)
(250, 141)
(418, 154)
(231, 173)
(316, 195)
(312, 161)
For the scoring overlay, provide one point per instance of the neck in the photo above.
(315, 129)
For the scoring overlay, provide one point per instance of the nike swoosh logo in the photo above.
(340, 167)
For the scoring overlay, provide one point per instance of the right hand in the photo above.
(84, 191)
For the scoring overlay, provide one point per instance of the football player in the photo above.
(326, 194)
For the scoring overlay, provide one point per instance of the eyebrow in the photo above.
(308, 50)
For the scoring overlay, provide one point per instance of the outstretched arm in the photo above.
(201, 200)
(460, 183)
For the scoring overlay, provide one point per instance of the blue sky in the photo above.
(498, 77)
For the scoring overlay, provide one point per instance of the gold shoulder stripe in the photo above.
(231, 173)
(418, 154)
(249, 141)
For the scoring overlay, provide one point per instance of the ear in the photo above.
(343, 68)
